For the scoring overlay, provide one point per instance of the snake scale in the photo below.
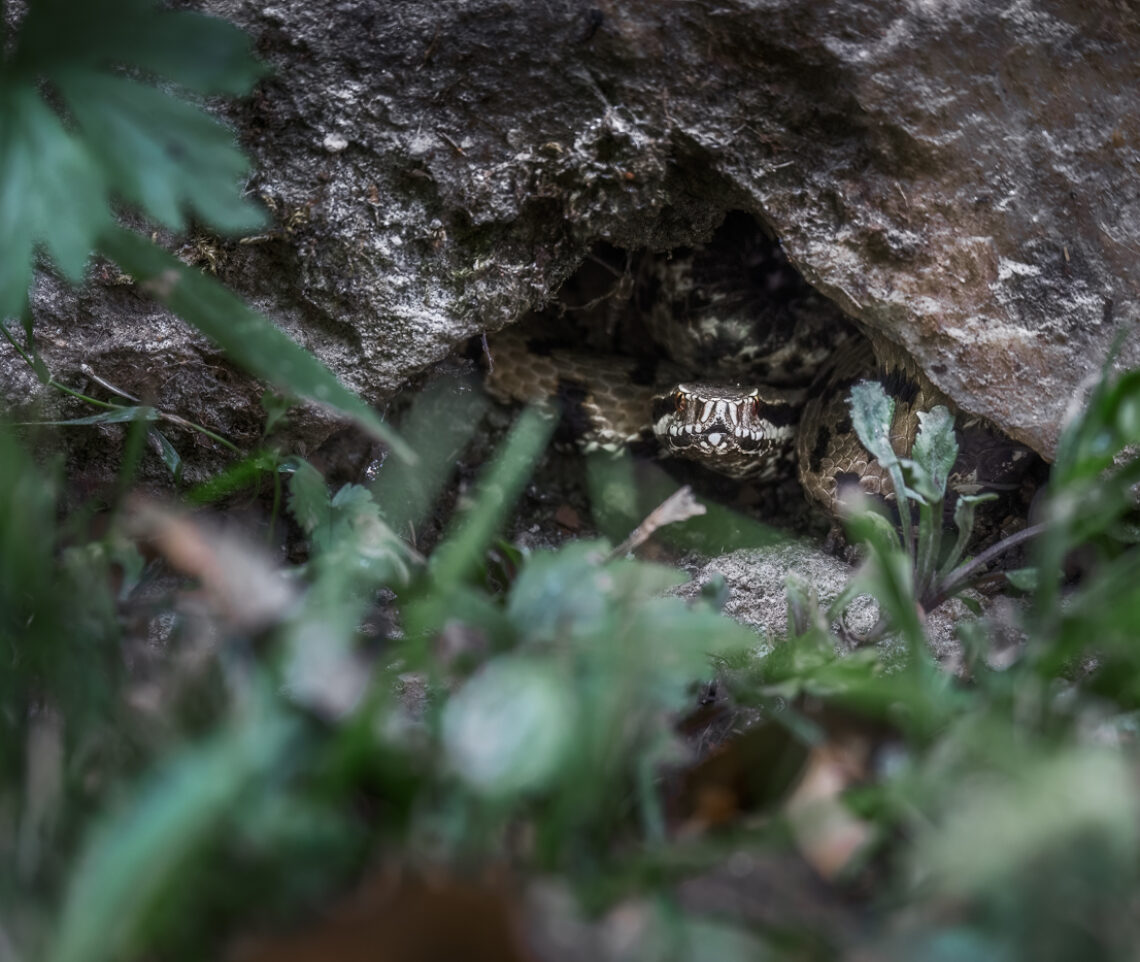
(722, 354)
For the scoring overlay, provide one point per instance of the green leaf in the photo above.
(247, 337)
(920, 485)
(52, 192)
(201, 53)
(308, 496)
(965, 510)
(715, 592)
(929, 545)
(891, 580)
(562, 593)
(43, 375)
(675, 643)
(477, 614)
(240, 475)
(27, 534)
(440, 422)
(1023, 579)
(276, 407)
(458, 556)
(161, 154)
(871, 414)
(170, 456)
(28, 352)
(354, 551)
(123, 137)
(118, 415)
(168, 157)
(868, 525)
(936, 447)
(972, 604)
(1111, 421)
(889, 575)
(932, 458)
(510, 728)
(1103, 614)
(1001, 826)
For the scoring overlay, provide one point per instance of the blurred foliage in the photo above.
(531, 723)
(198, 739)
(97, 117)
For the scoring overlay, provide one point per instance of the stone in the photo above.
(755, 582)
(961, 176)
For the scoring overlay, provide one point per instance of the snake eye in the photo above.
(755, 407)
(680, 402)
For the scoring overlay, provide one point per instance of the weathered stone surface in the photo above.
(960, 174)
(755, 580)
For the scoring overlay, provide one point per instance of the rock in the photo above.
(756, 596)
(961, 177)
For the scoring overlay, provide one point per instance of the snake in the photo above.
(723, 355)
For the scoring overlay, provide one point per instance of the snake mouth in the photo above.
(722, 437)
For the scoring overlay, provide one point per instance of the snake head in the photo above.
(741, 432)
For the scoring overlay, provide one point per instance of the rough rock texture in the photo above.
(960, 174)
(755, 580)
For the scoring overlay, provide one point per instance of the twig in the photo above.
(454, 146)
(86, 369)
(679, 506)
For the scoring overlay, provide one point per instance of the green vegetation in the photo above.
(94, 119)
(198, 741)
(526, 718)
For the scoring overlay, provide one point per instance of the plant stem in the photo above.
(109, 406)
(16, 345)
(958, 578)
(929, 542)
(190, 425)
(894, 469)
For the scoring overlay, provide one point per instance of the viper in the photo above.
(722, 354)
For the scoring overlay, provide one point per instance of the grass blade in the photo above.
(460, 552)
(248, 338)
(136, 854)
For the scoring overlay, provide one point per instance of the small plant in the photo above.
(911, 564)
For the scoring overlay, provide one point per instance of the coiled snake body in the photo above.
(756, 377)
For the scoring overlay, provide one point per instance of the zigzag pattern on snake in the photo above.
(722, 354)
